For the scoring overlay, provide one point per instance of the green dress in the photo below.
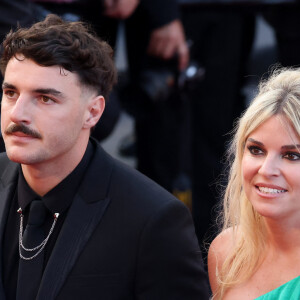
(287, 291)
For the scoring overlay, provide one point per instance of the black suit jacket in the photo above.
(124, 238)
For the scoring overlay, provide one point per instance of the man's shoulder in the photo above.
(131, 185)
(132, 179)
(4, 161)
(8, 169)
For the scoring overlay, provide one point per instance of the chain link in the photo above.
(41, 246)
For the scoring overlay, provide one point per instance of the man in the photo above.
(12, 14)
(109, 232)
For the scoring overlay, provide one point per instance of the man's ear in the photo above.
(94, 111)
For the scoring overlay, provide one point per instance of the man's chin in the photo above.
(19, 156)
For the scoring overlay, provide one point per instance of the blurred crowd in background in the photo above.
(188, 61)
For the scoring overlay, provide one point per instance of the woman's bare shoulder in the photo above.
(218, 251)
(221, 245)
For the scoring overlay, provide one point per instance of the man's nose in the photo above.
(20, 112)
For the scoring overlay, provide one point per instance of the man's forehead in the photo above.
(21, 61)
(28, 75)
(28, 70)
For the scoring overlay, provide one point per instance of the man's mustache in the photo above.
(24, 129)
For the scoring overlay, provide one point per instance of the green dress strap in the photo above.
(287, 291)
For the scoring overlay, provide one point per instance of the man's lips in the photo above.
(20, 134)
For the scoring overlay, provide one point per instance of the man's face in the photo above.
(43, 114)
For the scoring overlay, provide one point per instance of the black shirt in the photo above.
(57, 200)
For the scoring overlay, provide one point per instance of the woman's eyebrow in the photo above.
(255, 141)
(291, 147)
(285, 147)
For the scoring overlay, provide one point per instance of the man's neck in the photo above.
(45, 176)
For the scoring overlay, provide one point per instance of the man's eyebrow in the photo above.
(6, 85)
(48, 91)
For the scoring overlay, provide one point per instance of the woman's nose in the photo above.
(270, 166)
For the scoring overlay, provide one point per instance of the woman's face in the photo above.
(271, 170)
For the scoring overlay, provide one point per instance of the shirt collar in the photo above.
(61, 196)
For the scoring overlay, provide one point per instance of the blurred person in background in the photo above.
(222, 34)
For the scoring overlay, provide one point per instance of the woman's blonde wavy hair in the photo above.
(278, 95)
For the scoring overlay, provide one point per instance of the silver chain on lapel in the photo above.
(41, 246)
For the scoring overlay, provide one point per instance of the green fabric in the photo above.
(287, 291)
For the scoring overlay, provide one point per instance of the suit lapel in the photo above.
(7, 188)
(8, 183)
(84, 215)
(78, 227)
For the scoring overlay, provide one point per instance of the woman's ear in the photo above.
(94, 111)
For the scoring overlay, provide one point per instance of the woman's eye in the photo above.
(292, 156)
(255, 150)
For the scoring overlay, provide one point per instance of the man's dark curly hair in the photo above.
(70, 45)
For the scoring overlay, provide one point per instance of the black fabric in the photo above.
(124, 237)
(160, 13)
(156, 12)
(235, 2)
(31, 270)
(10, 250)
(57, 200)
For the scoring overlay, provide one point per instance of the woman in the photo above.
(257, 254)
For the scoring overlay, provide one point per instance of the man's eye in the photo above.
(255, 150)
(46, 99)
(292, 156)
(10, 94)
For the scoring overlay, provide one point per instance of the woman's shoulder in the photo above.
(224, 241)
(218, 251)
